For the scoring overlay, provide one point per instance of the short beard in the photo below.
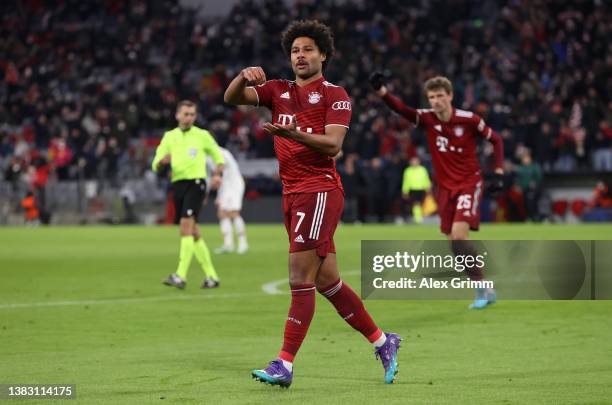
(307, 75)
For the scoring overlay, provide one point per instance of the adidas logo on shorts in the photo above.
(285, 95)
(299, 239)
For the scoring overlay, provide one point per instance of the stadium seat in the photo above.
(559, 207)
(578, 207)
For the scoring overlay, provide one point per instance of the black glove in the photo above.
(496, 184)
(377, 80)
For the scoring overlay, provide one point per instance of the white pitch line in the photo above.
(123, 300)
(272, 288)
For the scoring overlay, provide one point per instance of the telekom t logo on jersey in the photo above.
(286, 119)
(442, 143)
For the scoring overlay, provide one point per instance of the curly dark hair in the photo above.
(319, 32)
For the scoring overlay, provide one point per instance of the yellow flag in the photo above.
(429, 205)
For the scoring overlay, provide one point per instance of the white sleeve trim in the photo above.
(256, 93)
(337, 125)
(481, 125)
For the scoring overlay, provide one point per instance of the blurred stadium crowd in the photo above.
(88, 87)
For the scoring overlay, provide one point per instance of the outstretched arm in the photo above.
(377, 80)
(237, 93)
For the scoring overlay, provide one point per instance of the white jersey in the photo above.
(231, 172)
(232, 184)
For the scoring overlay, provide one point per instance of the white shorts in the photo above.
(230, 199)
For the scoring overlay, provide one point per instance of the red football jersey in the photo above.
(316, 105)
(452, 144)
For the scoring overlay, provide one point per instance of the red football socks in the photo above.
(301, 312)
(351, 309)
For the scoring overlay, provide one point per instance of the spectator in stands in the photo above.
(39, 177)
(600, 207)
(31, 212)
(543, 146)
(602, 197)
(377, 188)
(348, 174)
(529, 179)
(60, 156)
(565, 145)
(602, 154)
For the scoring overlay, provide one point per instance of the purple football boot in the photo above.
(275, 374)
(388, 355)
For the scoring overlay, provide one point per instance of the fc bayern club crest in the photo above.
(459, 131)
(314, 97)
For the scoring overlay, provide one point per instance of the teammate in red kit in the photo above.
(310, 118)
(452, 135)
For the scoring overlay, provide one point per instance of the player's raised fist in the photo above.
(254, 75)
(377, 80)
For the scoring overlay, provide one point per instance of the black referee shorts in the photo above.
(417, 196)
(188, 198)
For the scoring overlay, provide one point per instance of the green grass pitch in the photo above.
(86, 306)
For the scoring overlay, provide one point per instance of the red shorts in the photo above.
(311, 220)
(461, 205)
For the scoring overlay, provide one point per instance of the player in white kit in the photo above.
(229, 204)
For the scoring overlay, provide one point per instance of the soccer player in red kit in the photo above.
(310, 118)
(452, 136)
